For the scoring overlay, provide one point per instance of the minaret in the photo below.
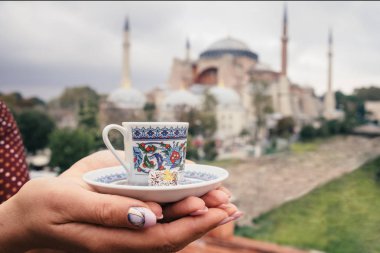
(329, 101)
(126, 81)
(284, 42)
(187, 50)
(284, 104)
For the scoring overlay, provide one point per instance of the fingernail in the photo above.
(236, 215)
(199, 212)
(141, 217)
(225, 206)
(160, 217)
(226, 220)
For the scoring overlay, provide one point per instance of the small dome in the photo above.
(127, 98)
(225, 96)
(181, 97)
(229, 46)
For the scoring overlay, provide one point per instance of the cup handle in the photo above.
(106, 140)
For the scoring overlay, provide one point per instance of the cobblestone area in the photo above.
(260, 185)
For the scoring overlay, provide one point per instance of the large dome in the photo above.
(180, 98)
(228, 46)
(127, 98)
(225, 96)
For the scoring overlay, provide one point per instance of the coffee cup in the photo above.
(150, 147)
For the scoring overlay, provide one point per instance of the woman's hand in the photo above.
(66, 214)
(189, 206)
(59, 214)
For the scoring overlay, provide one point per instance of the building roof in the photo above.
(228, 46)
(225, 96)
(180, 98)
(127, 98)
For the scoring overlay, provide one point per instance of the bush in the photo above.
(308, 133)
(285, 127)
(69, 146)
(210, 150)
(35, 128)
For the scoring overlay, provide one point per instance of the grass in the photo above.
(302, 147)
(342, 216)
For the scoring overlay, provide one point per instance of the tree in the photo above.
(371, 93)
(68, 146)
(285, 127)
(17, 103)
(150, 109)
(308, 133)
(262, 103)
(353, 107)
(35, 127)
(84, 102)
(210, 150)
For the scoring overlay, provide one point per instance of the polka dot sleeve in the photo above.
(13, 169)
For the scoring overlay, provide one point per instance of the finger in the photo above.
(189, 206)
(229, 208)
(181, 232)
(215, 198)
(156, 209)
(168, 237)
(225, 190)
(111, 210)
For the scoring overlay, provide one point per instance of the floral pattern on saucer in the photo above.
(189, 177)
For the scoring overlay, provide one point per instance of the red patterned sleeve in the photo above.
(13, 169)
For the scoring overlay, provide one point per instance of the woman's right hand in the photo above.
(60, 214)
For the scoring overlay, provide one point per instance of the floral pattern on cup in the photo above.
(159, 156)
(159, 133)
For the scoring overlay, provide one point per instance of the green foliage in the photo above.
(35, 127)
(285, 127)
(303, 147)
(69, 146)
(84, 102)
(17, 103)
(371, 93)
(308, 133)
(73, 97)
(339, 217)
(353, 107)
(191, 150)
(327, 128)
(210, 150)
(150, 109)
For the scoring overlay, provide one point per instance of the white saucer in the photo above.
(198, 180)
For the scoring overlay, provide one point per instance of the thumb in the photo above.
(112, 210)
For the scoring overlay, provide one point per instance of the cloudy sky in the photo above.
(45, 47)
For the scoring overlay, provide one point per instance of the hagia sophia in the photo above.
(228, 70)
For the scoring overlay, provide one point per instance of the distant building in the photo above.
(236, 66)
(125, 103)
(373, 108)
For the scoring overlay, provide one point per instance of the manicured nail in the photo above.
(199, 212)
(141, 217)
(226, 220)
(237, 215)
